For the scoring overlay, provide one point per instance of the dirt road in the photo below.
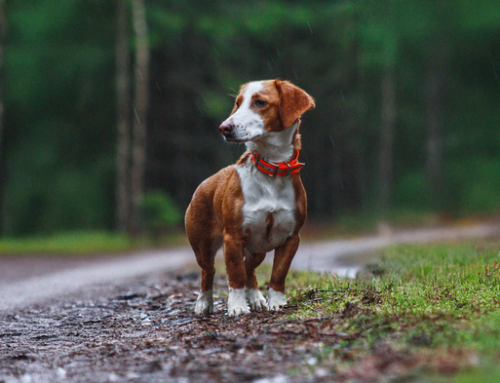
(131, 320)
(327, 256)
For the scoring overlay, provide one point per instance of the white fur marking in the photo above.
(204, 303)
(236, 302)
(275, 299)
(265, 195)
(256, 300)
(248, 125)
(275, 146)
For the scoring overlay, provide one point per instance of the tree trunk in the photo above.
(434, 87)
(2, 41)
(141, 93)
(388, 120)
(2, 154)
(123, 118)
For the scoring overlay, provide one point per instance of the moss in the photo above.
(428, 296)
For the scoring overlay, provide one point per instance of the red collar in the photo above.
(281, 168)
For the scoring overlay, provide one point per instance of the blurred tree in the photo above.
(387, 128)
(2, 158)
(122, 193)
(62, 155)
(141, 99)
(59, 91)
(434, 84)
(2, 39)
(381, 37)
(441, 29)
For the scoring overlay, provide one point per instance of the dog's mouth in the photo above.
(233, 140)
(237, 140)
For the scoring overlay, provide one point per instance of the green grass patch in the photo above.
(487, 374)
(417, 298)
(84, 243)
(430, 296)
(68, 243)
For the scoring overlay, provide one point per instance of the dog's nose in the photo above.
(226, 128)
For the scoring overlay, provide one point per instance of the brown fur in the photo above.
(214, 215)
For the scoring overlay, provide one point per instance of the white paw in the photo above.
(256, 300)
(204, 303)
(275, 299)
(237, 303)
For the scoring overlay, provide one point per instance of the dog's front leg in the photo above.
(283, 257)
(236, 273)
(255, 297)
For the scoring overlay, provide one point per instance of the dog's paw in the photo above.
(257, 300)
(275, 300)
(204, 304)
(237, 310)
(236, 302)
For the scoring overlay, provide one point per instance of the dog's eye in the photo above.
(260, 103)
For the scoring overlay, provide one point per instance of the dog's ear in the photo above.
(294, 102)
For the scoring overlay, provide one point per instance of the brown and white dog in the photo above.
(256, 205)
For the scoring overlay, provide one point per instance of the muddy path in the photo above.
(144, 330)
(131, 320)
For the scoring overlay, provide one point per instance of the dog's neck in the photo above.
(277, 146)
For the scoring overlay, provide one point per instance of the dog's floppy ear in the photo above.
(294, 102)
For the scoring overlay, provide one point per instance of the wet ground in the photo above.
(15, 268)
(144, 330)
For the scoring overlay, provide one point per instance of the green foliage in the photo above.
(59, 156)
(59, 144)
(486, 374)
(67, 243)
(474, 185)
(215, 104)
(45, 194)
(412, 191)
(160, 211)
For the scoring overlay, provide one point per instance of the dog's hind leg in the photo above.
(255, 298)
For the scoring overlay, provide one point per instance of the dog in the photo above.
(256, 205)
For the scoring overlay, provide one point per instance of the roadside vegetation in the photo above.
(85, 243)
(436, 306)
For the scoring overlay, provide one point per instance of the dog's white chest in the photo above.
(269, 209)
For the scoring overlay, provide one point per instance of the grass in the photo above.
(96, 242)
(425, 299)
(68, 243)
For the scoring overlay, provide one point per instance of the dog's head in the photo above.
(262, 107)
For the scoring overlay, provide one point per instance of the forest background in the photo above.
(109, 110)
